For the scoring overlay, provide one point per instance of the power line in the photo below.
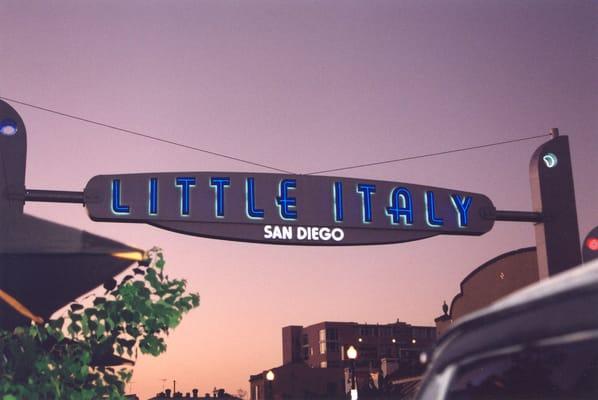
(425, 155)
(146, 136)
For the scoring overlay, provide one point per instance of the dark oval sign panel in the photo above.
(287, 209)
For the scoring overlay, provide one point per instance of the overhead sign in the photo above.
(287, 209)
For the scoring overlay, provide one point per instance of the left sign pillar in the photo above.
(13, 154)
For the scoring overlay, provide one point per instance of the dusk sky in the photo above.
(302, 86)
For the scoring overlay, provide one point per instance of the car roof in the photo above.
(565, 303)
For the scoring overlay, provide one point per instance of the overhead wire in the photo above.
(145, 135)
(439, 153)
(226, 156)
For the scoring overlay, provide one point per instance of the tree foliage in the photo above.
(65, 358)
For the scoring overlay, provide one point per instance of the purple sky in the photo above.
(302, 86)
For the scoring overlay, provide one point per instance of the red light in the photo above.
(592, 243)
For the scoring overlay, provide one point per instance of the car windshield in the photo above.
(561, 371)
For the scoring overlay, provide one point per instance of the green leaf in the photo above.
(100, 331)
(127, 315)
(99, 300)
(56, 323)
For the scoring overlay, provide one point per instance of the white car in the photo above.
(540, 342)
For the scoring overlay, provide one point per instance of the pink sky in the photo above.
(302, 86)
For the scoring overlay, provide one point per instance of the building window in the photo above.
(323, 364)
(305, 346)
(367, 330)
(385, 351)
(331, 334)
(422, 333)
(332, 346)
(329, 340)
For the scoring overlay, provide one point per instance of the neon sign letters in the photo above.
(286, 209)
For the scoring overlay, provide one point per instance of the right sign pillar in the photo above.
(553, 195)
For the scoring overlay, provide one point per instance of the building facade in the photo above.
(489, 282)
(325, 344)
(315, 362)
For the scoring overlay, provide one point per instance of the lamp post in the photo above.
(270, 378)
(352, 355)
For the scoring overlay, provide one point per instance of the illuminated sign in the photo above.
(287, 209)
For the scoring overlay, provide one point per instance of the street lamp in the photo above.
(352, 355)
(270, 378)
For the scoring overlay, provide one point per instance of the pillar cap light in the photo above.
(550, 160)
(8, 127)
(352, 353)
(270, 376)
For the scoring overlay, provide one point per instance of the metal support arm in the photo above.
(513, 216)
(54, 196)
(518, 216)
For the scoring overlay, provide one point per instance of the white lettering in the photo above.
(301, 233)
(338, 234)
(267, 231)
(310, 233)
(315, 233)
(325, 233)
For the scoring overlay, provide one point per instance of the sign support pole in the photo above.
(516, 216)
(553, 195)
(54, 196)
